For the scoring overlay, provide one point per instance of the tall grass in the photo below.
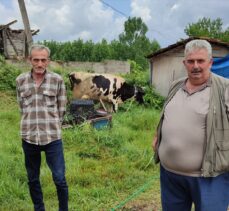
(103, 167)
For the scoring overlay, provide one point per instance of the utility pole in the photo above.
(29, 39)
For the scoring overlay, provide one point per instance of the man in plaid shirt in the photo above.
(42, 99)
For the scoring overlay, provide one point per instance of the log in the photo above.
(25, 19)
(7, 25)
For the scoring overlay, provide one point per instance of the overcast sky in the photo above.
(67, 20)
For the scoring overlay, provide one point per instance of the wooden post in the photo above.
(25, 18)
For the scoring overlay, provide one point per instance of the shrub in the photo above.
(152, 98)
(140, 77)
(8, 74)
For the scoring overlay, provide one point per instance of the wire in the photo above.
(116, 10)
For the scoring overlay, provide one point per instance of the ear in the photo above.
(211, 61)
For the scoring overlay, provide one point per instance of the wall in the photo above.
(165, 70)
(111, 66)
(107, 66)
(18, 40)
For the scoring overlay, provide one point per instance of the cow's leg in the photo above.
(114, 104)
(104, 107)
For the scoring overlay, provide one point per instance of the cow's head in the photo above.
(139, 93)
(73, 80)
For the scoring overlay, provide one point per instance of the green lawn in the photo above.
(104, 168)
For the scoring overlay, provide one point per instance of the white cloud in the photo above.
(140, 8)
(64, 20)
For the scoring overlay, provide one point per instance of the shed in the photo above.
(166, 64)
(13, 42)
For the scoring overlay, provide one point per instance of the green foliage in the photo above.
(136, 43)
(153, 99)
(8, 74)
(137, 76)
(140, 77)
(206, 27)
(134, 29)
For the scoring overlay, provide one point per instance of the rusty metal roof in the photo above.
(183, 42)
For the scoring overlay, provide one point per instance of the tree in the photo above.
(135, 41)
(101, 51)
(206, 27)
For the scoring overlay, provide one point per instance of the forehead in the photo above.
(197, 53)
(39, 53)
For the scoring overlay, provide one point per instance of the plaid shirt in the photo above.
(42, 108)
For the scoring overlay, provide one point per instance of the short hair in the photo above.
(39, 47)
(196, 45)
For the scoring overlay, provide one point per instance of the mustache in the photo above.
(196, 70)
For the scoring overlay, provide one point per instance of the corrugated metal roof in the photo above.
(183, 42)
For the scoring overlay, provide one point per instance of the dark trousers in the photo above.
(55, 160)
(208, 194)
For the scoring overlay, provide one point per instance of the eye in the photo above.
(200, 61)
(36, 60)
(42, 60)
(190, 61)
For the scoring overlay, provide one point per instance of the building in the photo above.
(166, 65)
(13, 42)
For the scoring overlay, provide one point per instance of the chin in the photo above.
(39, 72)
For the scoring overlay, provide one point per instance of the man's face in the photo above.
(39, 60)
(198, 65)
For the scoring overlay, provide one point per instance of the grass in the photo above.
(103, 167)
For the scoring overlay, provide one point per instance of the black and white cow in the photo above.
(103, 87)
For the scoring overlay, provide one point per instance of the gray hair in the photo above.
(197, 45)
(39, 47)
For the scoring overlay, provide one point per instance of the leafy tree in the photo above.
(101, 51)
(206, 27)
(135, 42)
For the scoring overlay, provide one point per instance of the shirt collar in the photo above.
(31, 74)
(208, 83)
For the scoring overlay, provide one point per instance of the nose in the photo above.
(196, 64)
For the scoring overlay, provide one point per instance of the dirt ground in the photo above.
(143, 207)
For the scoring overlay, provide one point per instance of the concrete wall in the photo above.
(111, 66)
(107, 66)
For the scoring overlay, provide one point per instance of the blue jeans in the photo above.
(55, 160)
(208, 194)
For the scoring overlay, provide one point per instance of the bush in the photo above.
(140, 77)
(153, 99)
(8, 74)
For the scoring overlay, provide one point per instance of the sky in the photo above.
(68, 20)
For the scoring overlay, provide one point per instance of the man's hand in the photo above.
(154, 142)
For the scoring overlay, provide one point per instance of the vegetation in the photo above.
(206, 27)
(103, 167)
(8, 74)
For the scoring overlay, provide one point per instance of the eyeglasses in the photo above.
(38, 60)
